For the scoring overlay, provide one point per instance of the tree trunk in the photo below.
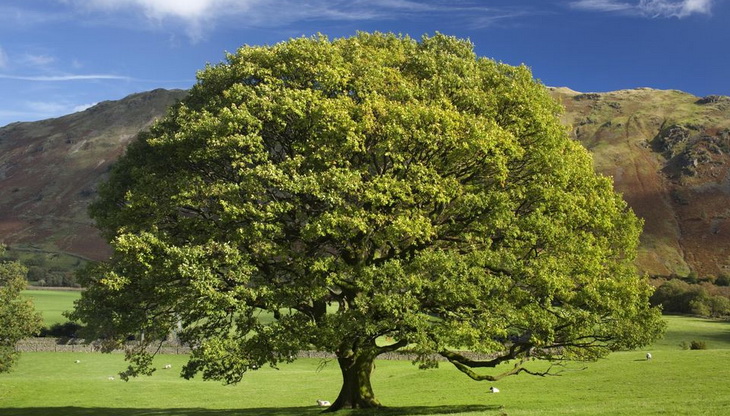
(356, 392)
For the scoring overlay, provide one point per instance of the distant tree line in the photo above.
(708, 297)
(42, 271)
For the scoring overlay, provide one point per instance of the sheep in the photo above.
(494, 389)
(167, 366)
(323, 403)
(77, 361)
(648, 356)
(110, 378)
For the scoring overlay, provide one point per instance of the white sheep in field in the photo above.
(110, 378)
(167, 366)
(77, 361)
(494, 389)
(648, 356)
(323, 403)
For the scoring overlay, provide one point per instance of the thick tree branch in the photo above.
(392, 347)
(466, 368)
(514, 351)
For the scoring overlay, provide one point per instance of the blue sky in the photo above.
(61, 56)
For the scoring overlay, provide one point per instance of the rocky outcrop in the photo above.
(669, 155)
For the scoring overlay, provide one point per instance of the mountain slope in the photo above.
(49, 170)
(669, 155)
(668, 152)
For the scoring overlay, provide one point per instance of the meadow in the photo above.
(52, 303)
(674, 382)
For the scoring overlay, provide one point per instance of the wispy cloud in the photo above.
(158, 9)
(13, 16)
(63, 78)
(602, 5)
(648, 8)
(3, 58)
(201, 16)
(196, 15)
(33, 110)
(37, 60)
(82, 107)
(684, 8)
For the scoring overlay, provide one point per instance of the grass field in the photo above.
(52, 303)
(674, 382)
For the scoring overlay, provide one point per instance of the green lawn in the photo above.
(52, 303)
(674, 382)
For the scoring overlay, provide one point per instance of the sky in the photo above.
(62, 56)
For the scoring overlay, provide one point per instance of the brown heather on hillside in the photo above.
(668, 152)
(49, 170)
(669, 155)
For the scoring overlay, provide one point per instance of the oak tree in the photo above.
(360, 196)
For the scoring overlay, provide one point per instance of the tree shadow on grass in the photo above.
(421, 410)
(720, 333)
(266, 411)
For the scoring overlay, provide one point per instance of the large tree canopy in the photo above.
(18, 318)
(364, 195)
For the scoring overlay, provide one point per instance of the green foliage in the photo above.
(18, 319)
(425, 195)
(697, 345)
(692, 277)
(36, 274)
(64, 330)
(705, 299)
(47, 267)
(693, 345)
(723, 280)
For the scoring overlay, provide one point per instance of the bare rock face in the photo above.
(669, 155)
(713, 99)
(672, 138)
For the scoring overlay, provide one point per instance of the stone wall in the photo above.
(49, 344)
(75, 345)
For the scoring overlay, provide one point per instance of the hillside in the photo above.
(49, 170)
(669, 155)
(668, 152)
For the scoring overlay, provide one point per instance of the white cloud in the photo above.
(82, 107)
(199, 16)
(667, 8)
(38, 110)
(37, 60)
(191, 10)
(648, 8)
(195, 14)
(601, 5)
(14, 16)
